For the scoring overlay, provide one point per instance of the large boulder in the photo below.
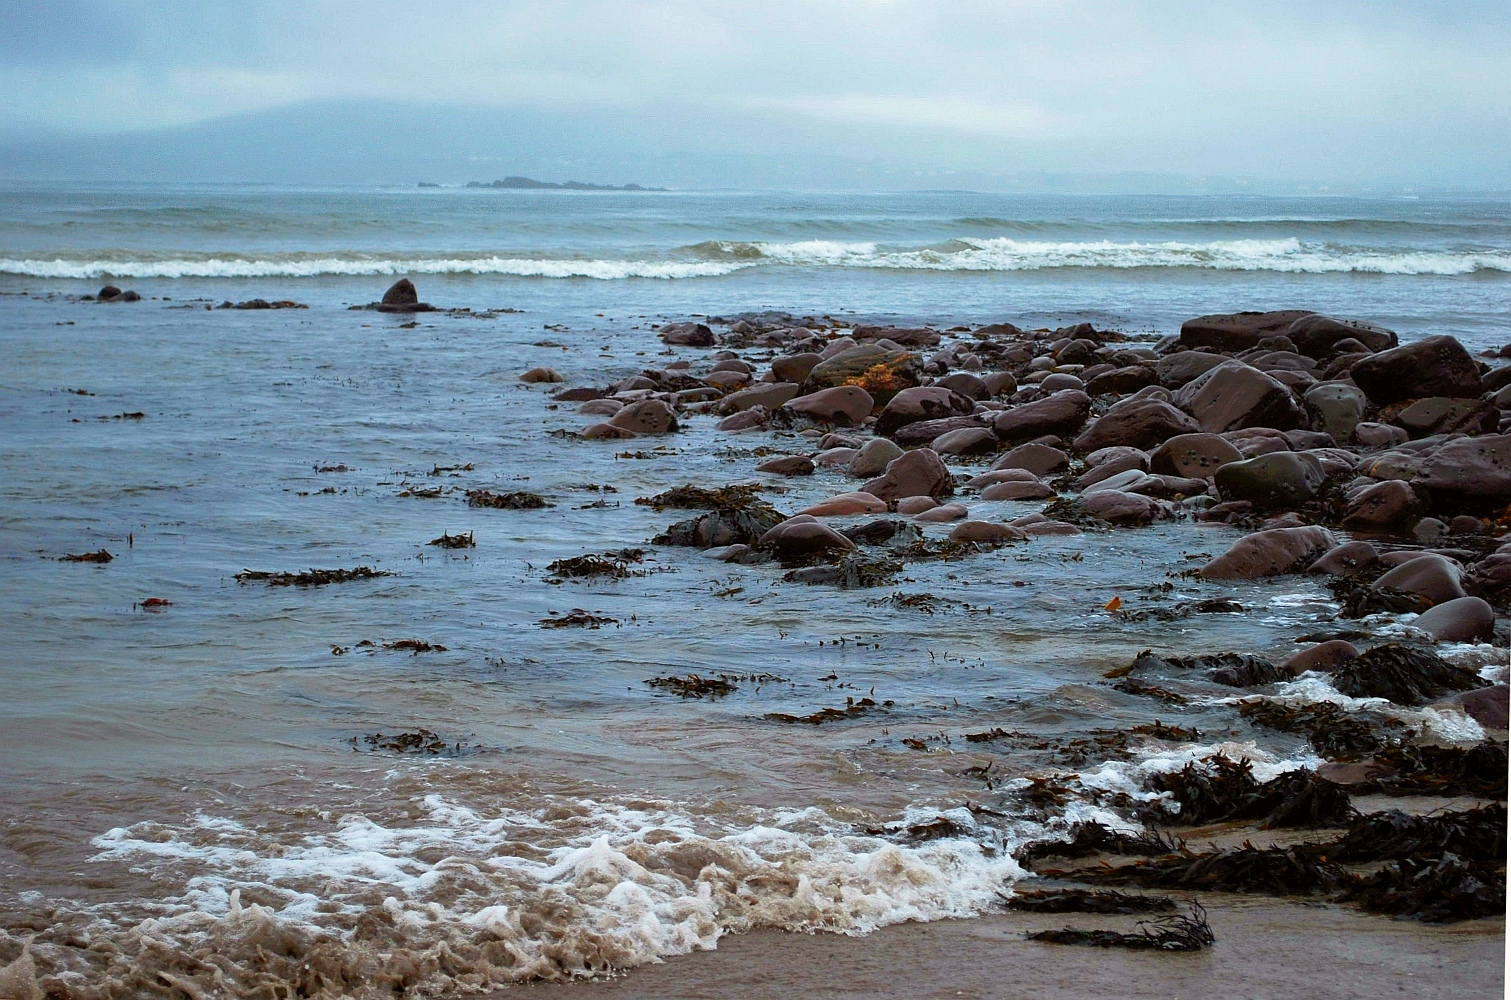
(1445, 415)
(1194, 456)
(1336, 408)
(768, 394)
(804, 535)
(1462, 619)
(919, 403)
(1237, 331)
(1120, 381)
(687, 335)
(1234, 396)
(649, 416)
(1316, 335)
(1175, 370)
(1136, 423)
(1432, 366)
(402, 297)
(794, 367)
(965, 441)
(1058, 413)
(841, 405)
(1383, 506)
(1117, 507)
(1279, 479)
(1430, 576)
(1040, 459)
(918, 473)
(881, 372)
(1270, 553)
(1469, 471)
(873, 458)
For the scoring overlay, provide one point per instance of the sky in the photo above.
(1329, 93)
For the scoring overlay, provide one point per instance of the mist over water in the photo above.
(209, 765)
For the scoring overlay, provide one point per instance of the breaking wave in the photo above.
(363, 265)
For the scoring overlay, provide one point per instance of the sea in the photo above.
(428, 781)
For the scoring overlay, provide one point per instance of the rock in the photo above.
(1391, 504)
(1252, 442)
(1234, 396)
(578, 395)
(838, 455)
(1195, 456)
(1373, 435)
(1135, 423)
(996, 476)
(687, 335)
(601, 407)
(1445, 415)
(1121, 381)
(986, 531)
(1280, 479)
(1125, 508)
(107, 294)
(1040, 459)
(1346, 559)
(726, 380)
(1429, 576)
(1237, 331)
(919, 403)
(1050, 528)
(873, 457)
(402, 297)
(1462, 619)
(1325, 657)
(941, 514)
(1270, 553)
(1000, 383)
(1469, 471)
(1017, 490)
(1055, 381)
(925, 431)
(788, 465)
(727, 553)
(1489, 706)
(799, 536)
(606, 432)
(918, 473)
(649, 416)
(1432, 366)
(1125, 480)
(842, 405)
(1464, 524)
(966, 441)
(846, 504)
(1060, 413)
(771, 395)
(912, 506)
(966, 384)
(1318, 336)
(542, 375)
(756, 416)
(1175, 370)
(1335, 408)
(882, 373)
(794, 367)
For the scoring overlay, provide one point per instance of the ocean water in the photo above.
(199, 794)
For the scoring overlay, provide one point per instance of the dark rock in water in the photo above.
(880, 372)
(803, 536)
(1040, 459)
(788, 465)
(1325, 657)
(1231, 669)
(840, 405)
(1345, 559)
(1390, 504)
(1237, 331)
(880, 531)
(687, 335)
(1429, 576)
(1234, 396)
(402, 297)
(1469, 471)
(107, 294)
(1404, 674)
(130, 296)
(735, 523)
(1270, 553)
(918, 473)
(1194, 456)
(649, 416)
(1136, 423)
(921, 403)
(1489, 706)
(1277, 480)
(1318, 336)
(924, 431)
(1432, 366)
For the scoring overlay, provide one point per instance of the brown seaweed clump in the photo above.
(1268, 871)
(1087, 901)
(576, 618)
(1406, 675)
(695, 686)
(310, 578)
(450, 541)
(1171, 933)
(520, 500)
(100, 556)
(613, 565)
(1447, 889)
(1218, 789)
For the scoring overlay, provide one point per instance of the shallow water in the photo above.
(206, 766)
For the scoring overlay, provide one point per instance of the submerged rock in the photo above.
(1270, 553)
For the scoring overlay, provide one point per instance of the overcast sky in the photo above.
(1265, 89)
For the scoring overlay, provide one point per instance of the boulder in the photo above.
(913, 506)
(846, 504)
(1195, 456)
(1319, 336)
(1429, 576)
(1432, 366)
(1471, 471)
(1252, 442)
(1446, 415)
(800, 536)
(1237, 331)
(1040, 459)
(966, 384)
(1462, 619)
(400, 294)
(1000, 383)
(1135, 423)
(879, 371)
(941, 514)
(1234, 396)
(966, 441)
(1017, 490)
(107, 294)
(1058, 413)
(1391, 504)
(1175, 370)
(1346, 559)
(1336, 408)
(924, 431)
(1055, 381)
(986, 531)
(687, 335)
(756, 416)
(1489, 706)
(1325, 657)
(601, 407)
(771, 395)
(918, 473)
(996, 476)
(606, 432)
(649, 416)
(919, 403)
(1116, 507)
(541, 375)
(788, 465)
(1369, 434)
(1270, 553)
(794, 367)
(1279, 479)
(873, 457)
(842, 405)
(1121, 381)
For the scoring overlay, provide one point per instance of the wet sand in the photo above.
(1266, 949)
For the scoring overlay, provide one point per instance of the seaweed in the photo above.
(1472, 834)
(100, 556)
(1133, 685)
(1160, 731)
(310, 578)
(853, 709)
(1357, 596)
(1332, 731)
(694, 686)
(742, 525)
(450, 541)
(1479, 771)
(614, 565)
(1087, 901)
(1093, 838)
(1269, 871)
(1171, 933)
(1406, 675)
(881, 531)
(689, 497)
(1218, 789)
(419, 741)
(937, 828)
(850, 572)
(576, 618)
(1231, 669)
(1441, 891)
(415, 646)
(520, 500)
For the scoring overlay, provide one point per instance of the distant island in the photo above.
(530, 184)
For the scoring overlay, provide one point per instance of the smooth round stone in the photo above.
(1325, 657)
(986, 531)
(846, 504)
(1429, 576)
(941, 514)
(1463, 619)
(910, 506)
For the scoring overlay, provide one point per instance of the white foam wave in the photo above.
(1313, 688)
(457, 900)
(311, 267)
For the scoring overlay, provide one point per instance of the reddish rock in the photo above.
(1469, 470)
(842, 405)
(918, 473)
(1446, 415)
(1125, 508)
(1325, 657)
(1432, 366)
(1488, 706)
(649, 416)
(1176, 370)
(1040, 459)
(1017, 490)
(846, 504)
(1281, 479)
(873, 457)
(1463, 619)
(794, 367)
(924, 431)
(745, 420)
(1136, 423)
(1234, 395)
(1346, 559)
(1195, 456)
(920, 403)
(1121, 381)
(1059, 413)
(1319, 336)
(1391, 504)
(910, 506)
(798, 536)
(771, 395)
(986, 531)
(788, 465)
(1270, 553)
(1429, 576)
(966, 384)
(609, 432)
(966, 441)
(941, 514)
